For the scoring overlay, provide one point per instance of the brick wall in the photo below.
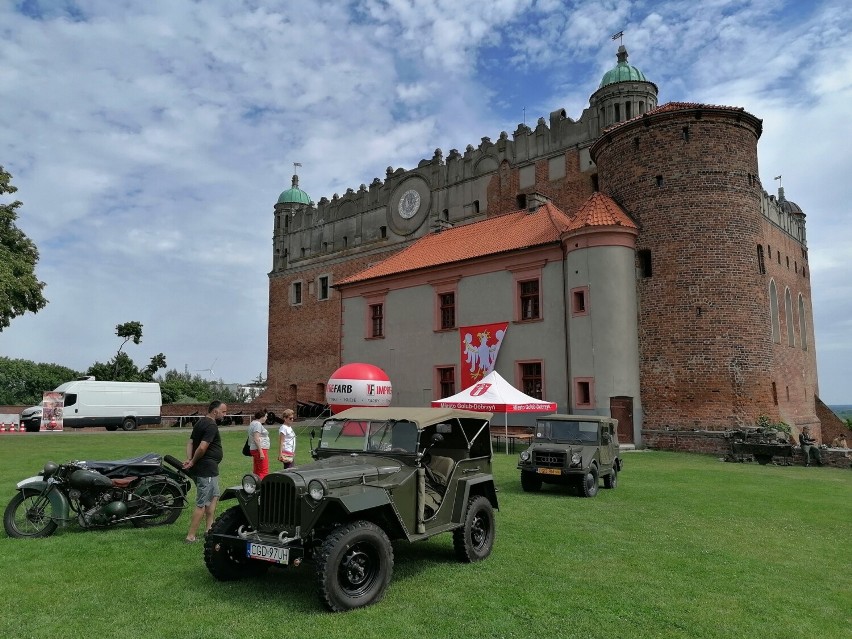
(304, 340)
(706, 355)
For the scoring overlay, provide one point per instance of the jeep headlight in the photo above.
(316, 489)
(249, 483)
(576, 459)
(525, 456)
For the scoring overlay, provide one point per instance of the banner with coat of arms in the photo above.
(51, 412)
(479, 347)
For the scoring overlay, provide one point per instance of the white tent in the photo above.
(493, 394)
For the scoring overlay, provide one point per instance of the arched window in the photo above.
(773, 312)
(803, 324)
(788, 314)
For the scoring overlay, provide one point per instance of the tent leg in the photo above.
(506, 425)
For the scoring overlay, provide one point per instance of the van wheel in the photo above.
(128, 424)
(111, 428)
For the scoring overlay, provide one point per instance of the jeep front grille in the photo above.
(278, 503)
(550, 460)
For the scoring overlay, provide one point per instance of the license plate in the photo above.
(549, 471)
(273, 554)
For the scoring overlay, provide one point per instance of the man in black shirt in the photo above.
(204, 452)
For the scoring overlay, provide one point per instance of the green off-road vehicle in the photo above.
(379, 474)
(573, 450)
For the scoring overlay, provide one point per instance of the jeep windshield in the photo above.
(366, 435)
(572, 432)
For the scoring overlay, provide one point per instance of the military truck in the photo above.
(379, 474)
(572, 450)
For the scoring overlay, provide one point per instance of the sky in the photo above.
(149, 141)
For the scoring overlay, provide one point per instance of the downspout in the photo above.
(567, 315)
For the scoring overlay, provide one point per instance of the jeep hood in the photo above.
(340, 471)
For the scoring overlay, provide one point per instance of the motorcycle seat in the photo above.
(122, 482)
(147, 464)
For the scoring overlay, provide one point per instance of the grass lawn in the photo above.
(686, 546)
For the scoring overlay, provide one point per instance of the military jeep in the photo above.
(573, 450)
(379, 474)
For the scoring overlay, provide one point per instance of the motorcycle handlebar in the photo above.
(173, 461)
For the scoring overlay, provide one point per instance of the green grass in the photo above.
(686, 546)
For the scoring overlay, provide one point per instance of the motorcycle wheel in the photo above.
(29, 514)
(224, 562)
(161, 504)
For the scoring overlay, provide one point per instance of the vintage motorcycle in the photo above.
(97, 494)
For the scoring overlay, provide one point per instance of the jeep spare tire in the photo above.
(355, 566)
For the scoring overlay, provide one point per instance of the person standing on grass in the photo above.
(203, 454)
(258, 438)
(287, 440)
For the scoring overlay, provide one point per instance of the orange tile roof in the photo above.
(600, 210)
(498, 234)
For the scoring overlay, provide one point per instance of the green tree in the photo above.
(129, 331)
(185, 388)
(20, 290)
(23, 381)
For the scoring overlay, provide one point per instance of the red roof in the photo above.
(600, 210)
(498, 234)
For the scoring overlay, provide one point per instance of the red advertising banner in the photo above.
(479, 348)
(51, 414)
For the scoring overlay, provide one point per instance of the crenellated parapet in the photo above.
(450, 189)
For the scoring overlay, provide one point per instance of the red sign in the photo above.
(479, 348)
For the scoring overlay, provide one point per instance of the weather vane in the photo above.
(618, 36)
(295, 164)
(778, 177)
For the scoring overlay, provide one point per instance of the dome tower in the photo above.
(291, 202)
(624, 93)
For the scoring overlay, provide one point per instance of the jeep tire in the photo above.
(475, 539)
(530, 481)
(589, 482)
(354, 566)
(611, 480)
(224, 562)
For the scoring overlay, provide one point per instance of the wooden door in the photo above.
(621, 408)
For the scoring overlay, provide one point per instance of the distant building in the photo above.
(670, 289)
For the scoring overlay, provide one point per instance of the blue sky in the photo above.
(149, 141)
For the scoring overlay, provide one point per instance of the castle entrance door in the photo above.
(621, 408)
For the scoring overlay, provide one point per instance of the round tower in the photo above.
(687, 173)
(624, 93)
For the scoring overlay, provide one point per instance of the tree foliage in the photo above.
(185, 388)
(22, 381)
(121, 368)
(20, 290)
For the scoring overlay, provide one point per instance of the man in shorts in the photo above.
(204, 452)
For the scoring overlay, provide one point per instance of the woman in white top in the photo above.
(258, 438)
(287, 440)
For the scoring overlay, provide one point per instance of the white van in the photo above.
(89, 402)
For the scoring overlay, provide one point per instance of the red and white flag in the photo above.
(479, 347)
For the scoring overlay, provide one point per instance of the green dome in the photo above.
(294, 195)
(622, 72)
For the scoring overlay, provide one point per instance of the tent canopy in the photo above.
(495, 395)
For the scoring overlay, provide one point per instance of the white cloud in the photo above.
(150, 140)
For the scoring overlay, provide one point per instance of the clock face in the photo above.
(409, 203)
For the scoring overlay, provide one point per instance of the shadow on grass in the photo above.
(295, 589)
